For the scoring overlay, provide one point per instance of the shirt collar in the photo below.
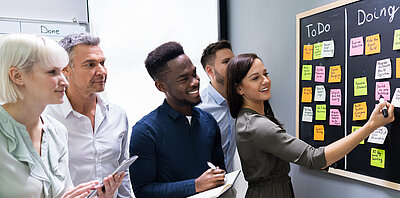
(173, 113)
(219, 99)
(66, 107)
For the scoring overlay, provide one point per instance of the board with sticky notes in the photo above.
(348, 56)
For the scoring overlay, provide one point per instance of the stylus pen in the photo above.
(211, 165)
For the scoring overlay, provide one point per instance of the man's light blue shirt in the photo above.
(215, 104)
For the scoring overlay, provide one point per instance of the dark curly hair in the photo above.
(208, 56)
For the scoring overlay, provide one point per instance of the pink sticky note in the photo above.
(335, 118)
(356, 46)
(336, 97)
(382, 88)
(319, 73)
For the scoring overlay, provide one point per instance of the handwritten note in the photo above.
(397, 67)
(320, 93)
(378, 157)
(356, 46)
(335, 74)
(336, 97)
(307, 52)
(317, 50)
(307, 114)
(396, 98)
(306, 72)
(360, 86)
(319, 73)
(378, 136)
(396, 40)
(319, 132)
(360, 111)
(320, 112)
(328, 48)
(382, 88)
(373, 44)
(383, 69)
(335, 117)
(355, 128)
(306, 96)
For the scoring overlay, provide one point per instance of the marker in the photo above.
(384, 109)
(211, 165)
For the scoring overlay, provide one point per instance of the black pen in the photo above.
(384, 109)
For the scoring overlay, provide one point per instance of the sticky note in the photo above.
(328, 48)
(360, 86)
(396, 98)
(307, 52)
(397, 67)
(320, 112)
(307, 114)
(335, 74)
(378, 157)
(383, 69)
(317, 50)
(360, 111)
(306, 72)
(355, 128)
(320, 93)
(306, 96)
(356, 46)
(335, 117)
(378, 136)
(319, 132)
(396, 40)
(320, 73)
(382, 88)
(336, 97)
(373, 44)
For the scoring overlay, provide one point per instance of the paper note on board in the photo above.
(396, 98)
(355, 128)
(382, 88)
(396, 40)
(319, 132)
(383, 69)
(378, 157)
(320, 112)
(320, 93)
(335, 117)
(306, 72)
(307, 52)
(356, 46)
(360, 86)
(306, 96)
(397, 67)
(378, 136)
(335, 74)
(373, 44)
(360, 111)
(307, 114)
(319, 73)
(336, 97)
(317, 50)
(328, 48)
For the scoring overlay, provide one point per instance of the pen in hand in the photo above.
(211, 165)
(384, 109)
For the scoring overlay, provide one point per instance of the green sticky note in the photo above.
(355, 128)
(360, 86)
(378, 157)
(396, 40)
(320, 112)
(317, 50)
(306, 72)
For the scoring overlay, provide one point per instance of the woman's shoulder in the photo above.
(55, 126)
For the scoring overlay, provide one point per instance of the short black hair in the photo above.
(156, 61)
(208, 55)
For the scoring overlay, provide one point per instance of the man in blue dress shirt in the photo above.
(175, 141)
(215, 60)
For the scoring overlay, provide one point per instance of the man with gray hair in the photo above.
(97, 130)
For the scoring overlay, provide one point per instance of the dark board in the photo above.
(341, 22)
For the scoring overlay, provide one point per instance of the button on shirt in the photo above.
(173, 153)
(213, 103)
(95, 155)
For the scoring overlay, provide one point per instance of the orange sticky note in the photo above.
(319, 133)
(360, 111)
(373, 44)
(397, 67)
(307, 94)
(307, 52)
(335, 74)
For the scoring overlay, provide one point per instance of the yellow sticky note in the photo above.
(307, 52)
(306, 73)
(306, 96)
(360, 111)
(355, 128)
(378, 157)
(397, 67)
(396, 40)
(373, 44)
(319, 133)
(360, 86)
(335, 74)
(320, 112)
(317, 50)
